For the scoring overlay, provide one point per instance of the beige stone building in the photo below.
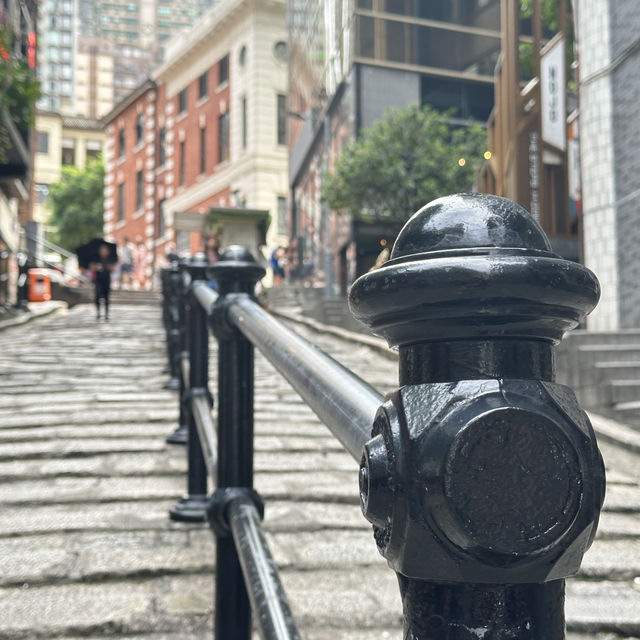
(60, 141)
(251, 37)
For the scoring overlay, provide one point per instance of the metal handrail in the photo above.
(269, 603)
(205, 295)
(344, 402)
(63, 252)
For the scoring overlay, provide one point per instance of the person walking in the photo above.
(126, 264)
(102, 280)
(139, 263)
(212, 248)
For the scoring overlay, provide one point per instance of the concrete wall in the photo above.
(609, 123)
(625, 84)
(597, 157)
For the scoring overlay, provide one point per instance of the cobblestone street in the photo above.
(87, 549)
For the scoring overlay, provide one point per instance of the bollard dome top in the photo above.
(473, 266)
(236, 270)
(472, 222)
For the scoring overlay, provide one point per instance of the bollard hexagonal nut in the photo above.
(483, 481)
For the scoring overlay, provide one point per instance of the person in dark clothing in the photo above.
(102, 280)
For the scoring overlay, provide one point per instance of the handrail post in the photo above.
(178, 334)
(236, 274)
(165, 283)
(193, 506)
(482, 480)
(172, 296)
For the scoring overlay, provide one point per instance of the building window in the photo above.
(203, 149)
(42, 192)
(162, 152)
(183, 242)
(43, 142)
(282, 216)
(139, 129)
(139, 190)
(182, 101)
(223, 70)
(282, 119)
(182, 164)
(223, 136)
(93, 150)
(203, 86)
(244, 122)
(121, 141)
(121, 202)
(68, 156)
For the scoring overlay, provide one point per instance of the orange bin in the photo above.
(39, 285)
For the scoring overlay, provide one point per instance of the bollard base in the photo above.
(173, 384)
(463, 611)
(190, 509)
(179, 436)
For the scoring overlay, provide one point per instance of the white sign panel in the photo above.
(553, 95)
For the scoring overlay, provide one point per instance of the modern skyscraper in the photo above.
(131, 34)
(352, 60)
(56, 53)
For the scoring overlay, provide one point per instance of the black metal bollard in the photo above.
(236, 274)
(482, 480)
(164, 283)
(171, 289)
(193, 506)
(179, 278)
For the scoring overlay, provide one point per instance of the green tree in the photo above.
(77, 201)
(408, 158)
(549, 16)
(19, 91)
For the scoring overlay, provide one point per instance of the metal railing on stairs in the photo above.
(480, 475)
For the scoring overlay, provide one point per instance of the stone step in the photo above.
(624, 390)
(621, 337)
(137, 464)
(168, 604)
(90, 556)
(618, 370)
(628, 412)
(85, 295)
(609, 353)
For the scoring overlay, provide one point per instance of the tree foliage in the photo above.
(19, 91)
(549, 16)
(403, 161)
(78, 204)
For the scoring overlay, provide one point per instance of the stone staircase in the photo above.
(84, 295)
(311, 302)
(604, 370)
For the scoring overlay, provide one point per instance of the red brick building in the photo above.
(130, 150)
(206, 131)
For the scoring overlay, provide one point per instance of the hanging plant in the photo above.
(19, 91)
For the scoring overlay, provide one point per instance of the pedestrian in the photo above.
(212, 248)
(102, 279)
(212, 253)
(277, 261)
(139, 263)
(126, 264)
